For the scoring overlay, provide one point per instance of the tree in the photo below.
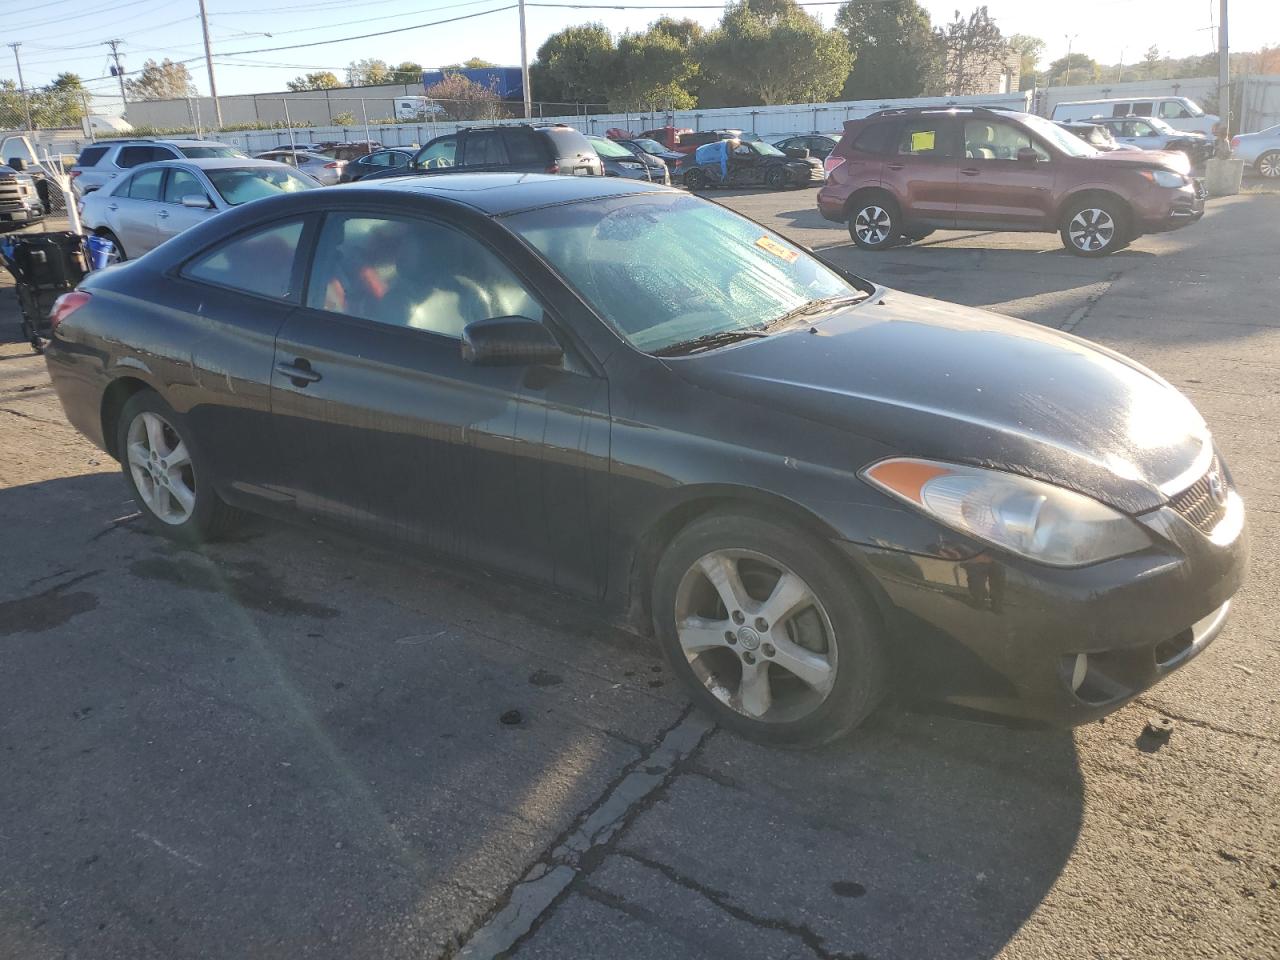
(652, 70)
(972, 45)
(1029, 50)
(464, 99)
(780, 56)
(1151, 62)
(406, 72)
(165, 80)
(475, 63)
(573, 66)
(321, 80)
(367, 73)
(60, 104)
(1084, 70)
(894, 48)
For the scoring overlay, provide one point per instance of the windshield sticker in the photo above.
(921, 141)
(777, 249)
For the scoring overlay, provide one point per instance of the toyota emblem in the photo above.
(1217, 489)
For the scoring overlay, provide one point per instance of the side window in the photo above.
(376, 160)
(877, 138)
(997, 141)
(90, 156)
(440, 153)
(397, 160)
(1121, 110)
(132, 156)
(182, 183)
(483, 147)
(924, 137)
(1142, 109)
(1141, 129)
(261, 262)
(145, 184)
(523, 148)
(1173, 110)
(412, 273)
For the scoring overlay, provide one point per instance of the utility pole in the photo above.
(1070, 38)
(118, 71)
(26, 104)
(524, 66)
(1224, 71)
(208, 60)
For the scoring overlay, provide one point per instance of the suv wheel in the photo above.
(1094, 228)
(1269, 165)
(874, 224)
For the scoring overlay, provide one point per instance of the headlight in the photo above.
(630, 166)
(1036, 520)
(1165, 178)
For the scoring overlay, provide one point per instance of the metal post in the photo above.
(119, 72)
(208, 59)
(365, 114)
(524, 67)
(26, 104)
(1066, 82)
(1224, 72)
(293, 144)
(88, 117)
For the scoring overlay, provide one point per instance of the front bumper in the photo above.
(16, 214)
(1183, 208)
(1003, 635)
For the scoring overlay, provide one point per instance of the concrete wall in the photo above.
(308, 106)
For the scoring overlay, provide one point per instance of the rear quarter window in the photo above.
(89, 156)
(877, 138)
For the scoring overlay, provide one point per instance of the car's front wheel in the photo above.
(874, 224)
(1094, 228)
(775, 178)
(765, 626)
(695, 179)
(166, 471)
(1268, 165)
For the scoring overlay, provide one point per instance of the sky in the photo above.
(58, 35)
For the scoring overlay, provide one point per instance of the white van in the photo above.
(417, 108)
(1178, 112)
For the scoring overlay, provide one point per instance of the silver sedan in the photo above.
(157, 201)
(325, 169)
(1260, 151)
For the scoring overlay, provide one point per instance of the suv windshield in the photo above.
(204, 153)
(1067, 142)
(719, 273)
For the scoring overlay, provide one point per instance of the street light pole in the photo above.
(208, 60)
(119, 71)
(1224, 71)
(26, 103)
(524, 67)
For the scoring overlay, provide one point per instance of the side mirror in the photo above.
(509, 342)
(17, 163)
(197, 201)
(1028, 155)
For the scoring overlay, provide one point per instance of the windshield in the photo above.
(607, 148)
(1065, 141)
(665, 269)
(205, 153)
(765, 149)
(239, 185)
(650, 146)
(1192, 108)
(1160, 124)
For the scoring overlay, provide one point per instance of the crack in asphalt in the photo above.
(1077, 315)
(27, 416)
(1206, 724)
(515, 916)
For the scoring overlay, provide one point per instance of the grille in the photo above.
(1198, 505)
(10, 191)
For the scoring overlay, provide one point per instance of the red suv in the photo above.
(904, 173)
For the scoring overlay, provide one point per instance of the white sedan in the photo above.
(157, 201)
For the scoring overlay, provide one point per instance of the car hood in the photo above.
(1170, 160)
(933, 379)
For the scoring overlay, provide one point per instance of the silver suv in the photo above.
(101, 162)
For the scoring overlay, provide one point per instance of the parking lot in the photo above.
(291, 745)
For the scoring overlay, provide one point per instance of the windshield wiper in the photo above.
(815, 306)
(709, 341)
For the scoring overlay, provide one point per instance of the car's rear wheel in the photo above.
(166, 471)
(763, 624)
(1268, 165)
(695, 179)
(1094, 228)
(775, 178)
(874, 223)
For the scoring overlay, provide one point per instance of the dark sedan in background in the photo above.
(795, 477)
(392, 158)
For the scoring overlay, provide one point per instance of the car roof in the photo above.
(213, 163)
(498, 194)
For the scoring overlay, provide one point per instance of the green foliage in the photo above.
(165, 80)
(320, 80)
(344, 119)
(464, 99)
(475, 63)
(895, 50)
(780, 55)
(406, 72)
(1029, 50)
(368, 72)
(1084, 70)
(972, 43)
(655, 69)
(573, 65)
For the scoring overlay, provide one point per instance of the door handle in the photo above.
(299, 372)
(113, 206)
(970, 171)
(163, 214)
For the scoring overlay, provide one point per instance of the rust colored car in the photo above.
(901, 174)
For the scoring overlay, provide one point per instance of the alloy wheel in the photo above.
(1092, 229)
(756, 635)
(160, 465)
(1269, 165)
(872, 225)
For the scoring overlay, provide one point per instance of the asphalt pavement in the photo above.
(291, 745)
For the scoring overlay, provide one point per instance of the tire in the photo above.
(695, 180)
(183, 504)
(1268, 165)
(1094, 228)
(775, 178)
(830, 633)
(120, 255)
(875, 223)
